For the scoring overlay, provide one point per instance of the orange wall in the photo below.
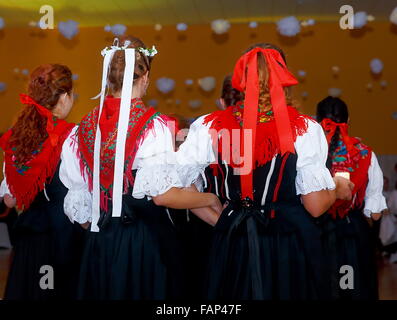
(198, 53)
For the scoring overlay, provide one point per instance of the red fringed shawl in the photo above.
(26, 180)
(267, 143)
(141, 120)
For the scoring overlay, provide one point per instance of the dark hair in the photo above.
(263, 74)
(46, 84)
(116, 72)
(336, 110)
(230, 95)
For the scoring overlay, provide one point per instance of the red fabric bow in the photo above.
(245, 79)
(25, 99)
(330, 127)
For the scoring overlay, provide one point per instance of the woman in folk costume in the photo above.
(266, 245)
(122, 148)
(348, 237)
(32, 149)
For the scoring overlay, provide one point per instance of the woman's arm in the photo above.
(316, 203)
(177, 198)
(375, 202)
(314, 183)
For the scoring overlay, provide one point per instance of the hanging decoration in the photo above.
(3, 86)
(289, 26)
(165, 85)
(334, 92)
(393, 16)
(207, 83)
(181, 26)
(117, 29)
(361, 18)
(220, 26)
(195, 104)
(68, 28)
(376, 66)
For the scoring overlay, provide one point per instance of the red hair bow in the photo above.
(245, 78)
(25, 99)
(330, 127)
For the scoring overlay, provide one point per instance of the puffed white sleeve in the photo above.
(312, 151)
(375, 202)
(4, 189)
(195, 154)
(78, 201)
(155, 163)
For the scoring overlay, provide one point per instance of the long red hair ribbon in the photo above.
(245, 79)
(330, 126)
(25, 99)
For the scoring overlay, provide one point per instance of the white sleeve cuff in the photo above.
(313, 178)
(374, 204)
(4, 189)
(78, 205)
(154, 180)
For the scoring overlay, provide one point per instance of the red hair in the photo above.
(46, 84)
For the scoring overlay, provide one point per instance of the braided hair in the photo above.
(336, 110)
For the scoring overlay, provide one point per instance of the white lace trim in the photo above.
(313, 178)
(154, 180)
(374, 204)
(78, 205)
(192, 174)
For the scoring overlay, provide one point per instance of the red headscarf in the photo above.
(245, 78)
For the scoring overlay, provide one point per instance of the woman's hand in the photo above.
(376, 216)
(344, 188)
(9, 201)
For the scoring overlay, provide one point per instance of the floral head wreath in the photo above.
(116, 46)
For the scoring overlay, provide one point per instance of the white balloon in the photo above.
(360, 19)
(3, 86)
(335, 69)
(158, 27)
(207, 83)
(393, 16)
(334, 92)
(25, 72)
(2, 24)
(289, 26)
(117, 29)
(302, 73)
(153, 102)
(68, 29)
(188, 82)
(253, 24)
(181, 26)
(376, 66)
(75, 77)
(165, 85)
(195, 104)
(220, 26)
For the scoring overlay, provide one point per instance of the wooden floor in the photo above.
(387, 276)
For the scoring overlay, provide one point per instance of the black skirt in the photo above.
(257, 257)
(44, 236)
(348, 242)
(133, 257)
